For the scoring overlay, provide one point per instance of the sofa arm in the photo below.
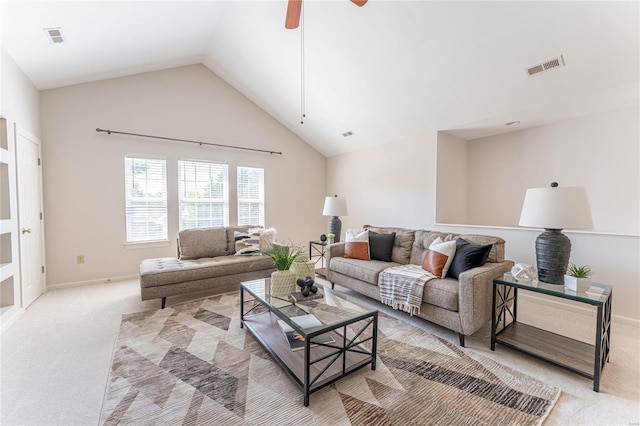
(476, 294)
(333, 250)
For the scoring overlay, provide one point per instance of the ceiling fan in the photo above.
(293, 12)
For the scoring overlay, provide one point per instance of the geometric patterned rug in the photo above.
(192, 364)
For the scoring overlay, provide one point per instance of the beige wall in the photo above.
(394, 185)
(391, 184)
(83, 170)
(599, 152)
(452, 167)
(20, 100)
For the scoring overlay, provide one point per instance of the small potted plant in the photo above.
(330, 238)
(577, 277)
(283, 281)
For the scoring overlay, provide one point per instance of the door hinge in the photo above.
(40, 215)
(43, 269)
(39, 162)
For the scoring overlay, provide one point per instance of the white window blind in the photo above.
(250, 196)
(203, 194)
(146, 199)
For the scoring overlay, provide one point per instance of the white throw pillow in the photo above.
(438, 257)
(357, 244)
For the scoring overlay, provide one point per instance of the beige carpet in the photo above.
(192, 364)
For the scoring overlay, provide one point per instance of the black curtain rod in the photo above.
(187, 140)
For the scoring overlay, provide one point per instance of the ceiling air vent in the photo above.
(545, 66)
(54, 35)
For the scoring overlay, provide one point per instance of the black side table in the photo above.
(582, 358)
(317, 251)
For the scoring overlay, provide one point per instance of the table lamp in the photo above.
(554, 209)
(335, 206)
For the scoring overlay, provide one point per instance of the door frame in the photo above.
(21, 132)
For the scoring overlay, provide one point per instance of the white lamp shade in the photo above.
(556, 208)
(335, 206)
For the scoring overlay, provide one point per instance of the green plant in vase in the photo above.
(577, 277)
(283, 281)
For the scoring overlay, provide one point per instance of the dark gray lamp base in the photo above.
(335, 227)
(552, 253)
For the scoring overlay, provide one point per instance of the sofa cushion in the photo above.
(442, 293)
(439, 256)
(203, 242)
(357, 244)
(422, 241)
(468, 256)
(246, 243)
(169, 270)
(381, 245)
(401, 246)
(363, 270)
(496, 255)
(231, 234)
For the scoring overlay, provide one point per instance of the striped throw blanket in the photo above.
(402, 286)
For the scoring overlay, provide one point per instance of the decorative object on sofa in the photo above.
(381, 246)
(439, 256)
(283, 281)
(335, 206)
(554, 209)
(468, 256)
(254, 240)
(524, 272)
(577, 277)
(357, 244)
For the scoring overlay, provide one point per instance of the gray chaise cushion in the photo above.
(169, 270)
(204, 242)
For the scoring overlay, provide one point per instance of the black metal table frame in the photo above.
(314, 251)
(308, 384)
(505, 307)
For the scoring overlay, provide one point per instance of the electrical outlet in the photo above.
(80, 259)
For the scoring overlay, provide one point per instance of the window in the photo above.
(250, 196)
(146, 199)
(203, 194)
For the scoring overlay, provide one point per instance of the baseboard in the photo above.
(91, 282)
(577, 309)
(9, 318)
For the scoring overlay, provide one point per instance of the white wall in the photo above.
(20, 101)
(452, 166)
(598, 152)
(391, 184)
(394, 185)
(83, 170)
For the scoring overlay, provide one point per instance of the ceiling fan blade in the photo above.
(293, 14)
(359, 2)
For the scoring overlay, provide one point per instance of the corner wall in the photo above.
(394, 185)
(83, 169)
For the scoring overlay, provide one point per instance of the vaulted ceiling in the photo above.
(387, 71)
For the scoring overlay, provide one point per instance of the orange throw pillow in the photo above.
(357, 244)
(439, 257)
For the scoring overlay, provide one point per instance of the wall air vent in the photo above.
(545, 66)
(54, 35)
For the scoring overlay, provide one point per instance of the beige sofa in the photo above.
(206, 260)
(462, 305)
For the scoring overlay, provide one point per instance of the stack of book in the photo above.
(296, 340)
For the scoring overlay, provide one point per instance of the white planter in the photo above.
(283, 283)
(304, 269)
(577, 284)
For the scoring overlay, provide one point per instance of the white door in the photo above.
(31, 229)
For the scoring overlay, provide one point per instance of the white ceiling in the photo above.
(388, 71)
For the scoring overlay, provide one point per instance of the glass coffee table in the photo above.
(315, 341)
